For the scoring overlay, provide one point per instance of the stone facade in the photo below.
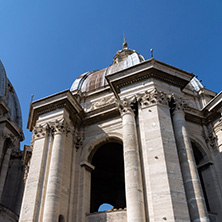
(12, 167)
(140, 135)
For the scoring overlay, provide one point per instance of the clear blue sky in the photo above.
(46, 45)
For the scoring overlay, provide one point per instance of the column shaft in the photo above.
(133, 179)
(52, 203)
(195, 199)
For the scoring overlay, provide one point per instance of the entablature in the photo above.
(63, 99)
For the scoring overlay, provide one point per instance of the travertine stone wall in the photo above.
(164, 186)
(44, 189)
(111, 216)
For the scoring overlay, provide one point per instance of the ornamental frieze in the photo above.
(100, 103)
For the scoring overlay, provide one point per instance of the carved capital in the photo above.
(126, 105)
(40, 130)
(153, 97)
(211, 137)
(78, 139)
(178, 104)
(57, 126)
(60, 126)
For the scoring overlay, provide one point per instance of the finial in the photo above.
(151, 51)
(124, 41)
(32, 98)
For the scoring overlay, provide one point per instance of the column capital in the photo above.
(178, 104)
(40, 131)
(153, 97)
(57, 126)
(211, 137)
(126, 105)
(60, 126)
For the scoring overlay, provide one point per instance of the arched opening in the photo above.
(61, 218)
(208, 181)
(199, 159)
(107, 180)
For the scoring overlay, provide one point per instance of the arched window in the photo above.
(107, 180)
(61, 218)
(199, 159)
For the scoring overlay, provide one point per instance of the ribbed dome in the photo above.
(92, 80)
(8, 95)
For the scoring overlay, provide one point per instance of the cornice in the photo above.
(149, 69)
(63, 99)
(213, 109)
(12, 127)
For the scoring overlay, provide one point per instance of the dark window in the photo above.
(107, 180)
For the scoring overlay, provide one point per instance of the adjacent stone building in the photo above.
(12, 168)
(141, 135)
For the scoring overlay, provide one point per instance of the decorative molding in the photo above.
(211, 137)
(78, 139)
(218, 126)
(126, 105)
(152, 74)
(88, 166)
(101, 103)
(152, 97)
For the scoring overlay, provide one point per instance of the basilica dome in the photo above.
(92, 80)
(9, 96)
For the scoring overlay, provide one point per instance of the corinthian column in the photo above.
(133, 179)
(194, 194)
(53, 194)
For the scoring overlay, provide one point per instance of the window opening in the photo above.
(61, 218)
(198, 156)
(107, 180)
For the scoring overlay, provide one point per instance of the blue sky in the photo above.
(46, 45)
